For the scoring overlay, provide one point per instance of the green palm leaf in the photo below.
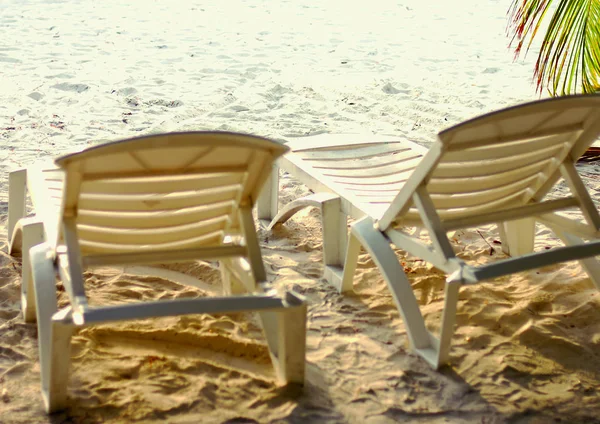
(569, 58)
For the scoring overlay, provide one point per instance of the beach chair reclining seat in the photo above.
(494, 169)
(154, 199)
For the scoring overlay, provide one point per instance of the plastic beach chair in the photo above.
(494, 169)
(155, 199)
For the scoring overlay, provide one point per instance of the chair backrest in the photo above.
(163, 192)
(501, 160)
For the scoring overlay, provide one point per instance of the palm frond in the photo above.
(569, 58)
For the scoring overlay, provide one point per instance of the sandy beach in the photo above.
(74, 74)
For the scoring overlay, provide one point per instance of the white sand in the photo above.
(75, 73)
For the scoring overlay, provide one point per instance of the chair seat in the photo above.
(366, 171)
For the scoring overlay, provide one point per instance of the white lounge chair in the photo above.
(497, 168)
(155, 199)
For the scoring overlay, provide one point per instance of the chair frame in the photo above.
(49, 243)
(414, 206)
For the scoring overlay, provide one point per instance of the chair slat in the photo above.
(487, 182)
(511, 211)
(466, 200)
(382, 171)
(514, 150)
(377, 197)
(375, 189)
(367, 163)
(146, 236)
(156, 202)
(104, 174)
(88, 247)
(353, 182)
(482, 168)
(343, 141)
(500, 133)
(54, 185)
(53, 174)
(162, 184)
(134, 220)
(454, 214)
(355, 152)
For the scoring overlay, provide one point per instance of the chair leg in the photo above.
(503, 238)
(17, 187)
(32, 234)
(435, 351)
(519, 236)
(352, 252)
(55, 393)
(590, 265)
(226, 281)
(380, 250)
(54, 330)
(335, 233)
(267, 203)
(448, 321)
(335, 230)
(254, 255)
(236, 276)
(335, 240)
(290, 358)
